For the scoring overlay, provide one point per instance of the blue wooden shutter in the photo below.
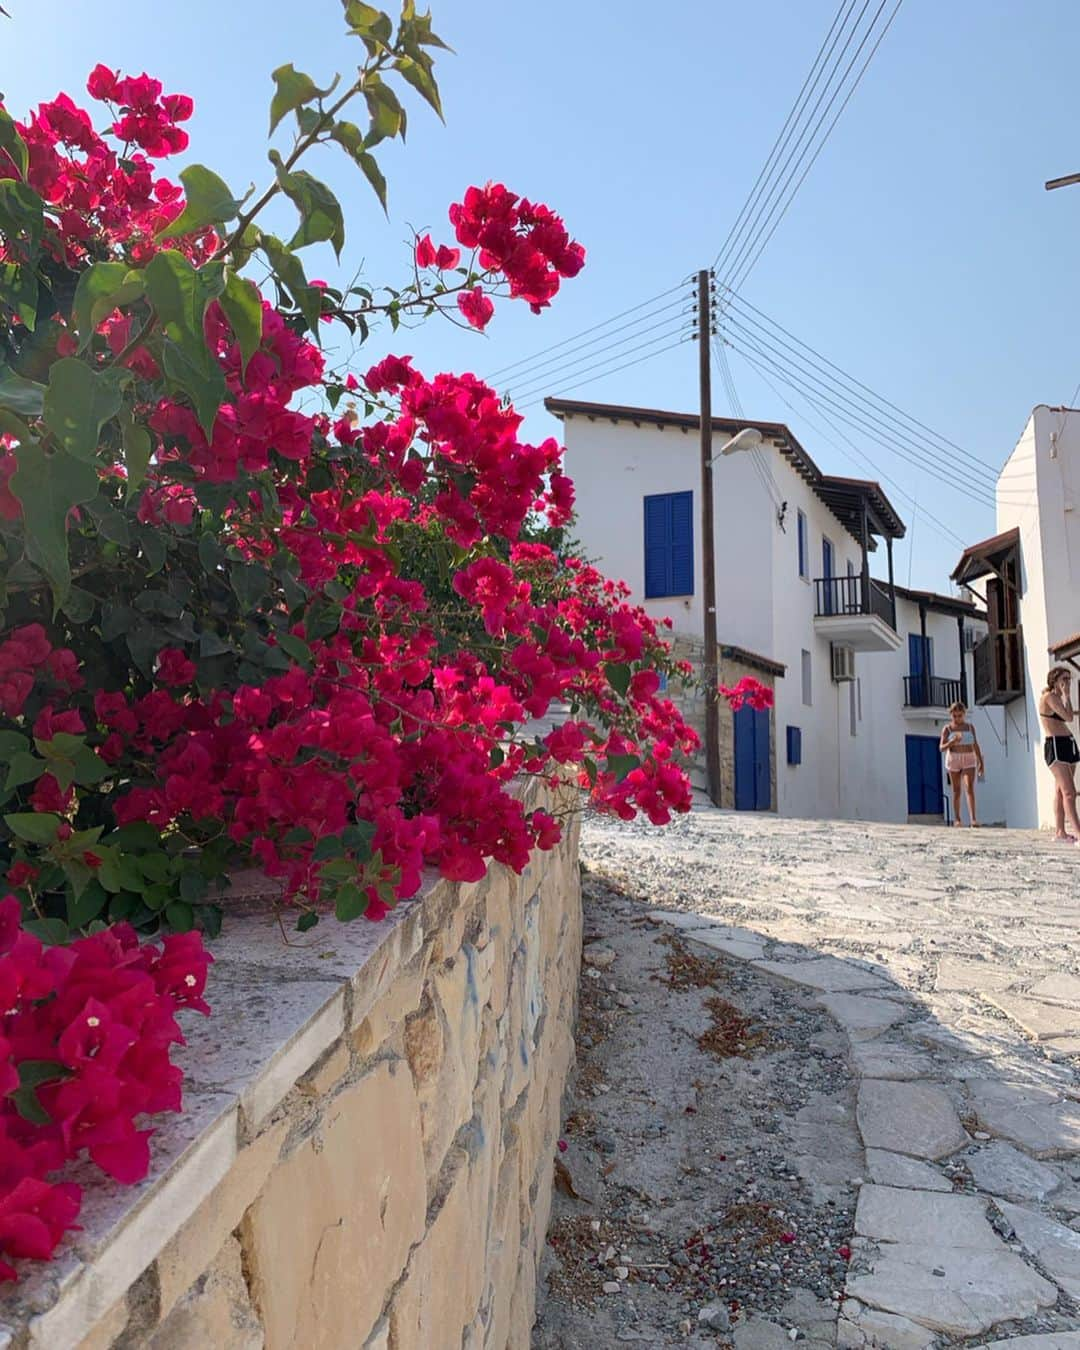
(804, 569)
(794, 745)
(913, 754)
(657, 546)
(762, 775)
(682, 543)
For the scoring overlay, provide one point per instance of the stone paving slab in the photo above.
(914, 1118)
(1055, 1247)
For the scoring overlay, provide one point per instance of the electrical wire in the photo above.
(784, 135)
(575, 369)
(606, 323)
(855, 453)
(761, 465)
(590, 349)
(855, 388)
(867, 420)
(604, 374)
(738, 277)
(853, 420)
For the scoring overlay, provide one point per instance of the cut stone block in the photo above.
(1035, 1118)
(893, 1169)
(1055, 1247)
(913, 1118)
(978, 1289)
(746, 946)
(829, 974)
(863, 1018)
(889, 1214)
(1003, 1170)
(1041, 1020)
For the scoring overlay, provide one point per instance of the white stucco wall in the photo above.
(1038, 492)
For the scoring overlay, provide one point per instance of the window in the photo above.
(852, 708)
(669, 544)
(806, 689)
(804, 547)
(794, 745)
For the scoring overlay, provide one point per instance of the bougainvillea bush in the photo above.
(259, 608)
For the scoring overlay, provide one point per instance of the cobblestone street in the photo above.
(950, 960)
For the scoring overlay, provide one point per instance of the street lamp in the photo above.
(747, 439)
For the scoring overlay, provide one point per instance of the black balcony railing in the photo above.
(847, 595)
(999, 666)
(930, 691)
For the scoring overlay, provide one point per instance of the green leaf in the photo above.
(180, 294)
(89, 768)
(34, 1072)
(25, 397)
(21, 212)
(11, 743)
(79, 605)
(621, 765)
(350, 902)
(320, 212)
(243, 309)
(193, 886)
(180, 916)
(329, 846)
(48, 487)
(357, 838)
(374, 175)
(210, 917)
(250, 584)
(294, 89)
(24, 768)
(366, 20)
(418, 73)
(299, 834)
(111, 523)
(19, 291)
(13, 143)
(103, 287)
(307, 921)
(200, 378)
(140, 834)
(296, 647)
(386, 113)
(289, 271)
(53, 932)
(496, 758)
(25, 1101)
(84, 909)
(138, 448)
(618, 676)
(78, 403)
(208, 201)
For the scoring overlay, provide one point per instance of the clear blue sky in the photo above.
(922, 254)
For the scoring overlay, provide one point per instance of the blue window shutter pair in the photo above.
(804, 568)
(669, 544)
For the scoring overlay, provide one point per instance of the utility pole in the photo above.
(710, 666)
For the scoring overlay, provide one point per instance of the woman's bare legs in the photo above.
(1063, 773)
(969, 792)
(1059, 816)
(955, 779)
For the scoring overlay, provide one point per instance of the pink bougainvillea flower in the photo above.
(476, 307)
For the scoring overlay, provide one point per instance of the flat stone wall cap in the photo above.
(828, 973)
(863, 1018)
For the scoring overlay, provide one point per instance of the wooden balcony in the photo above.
(999, 666)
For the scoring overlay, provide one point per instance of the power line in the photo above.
(625, 366)
(606, 323)
(800, 146)
(980, 465)
(856, 421)
(783, 135)
(866, 417)
(761, 465)
(575, 369)
(746, 269)
(855, 453)
(590, 349)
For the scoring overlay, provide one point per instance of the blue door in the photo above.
(920, 666)
(752, 786)
(924, 794)
(827, 572)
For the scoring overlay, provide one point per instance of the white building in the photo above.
(1028, 575)
(862, 671)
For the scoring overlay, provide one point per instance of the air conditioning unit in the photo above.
(843, 663)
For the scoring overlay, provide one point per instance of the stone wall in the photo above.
(365, 1157)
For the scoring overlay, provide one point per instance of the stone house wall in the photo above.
(365, 1157)
(691, 703)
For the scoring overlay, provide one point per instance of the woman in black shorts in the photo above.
(1060, 749)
